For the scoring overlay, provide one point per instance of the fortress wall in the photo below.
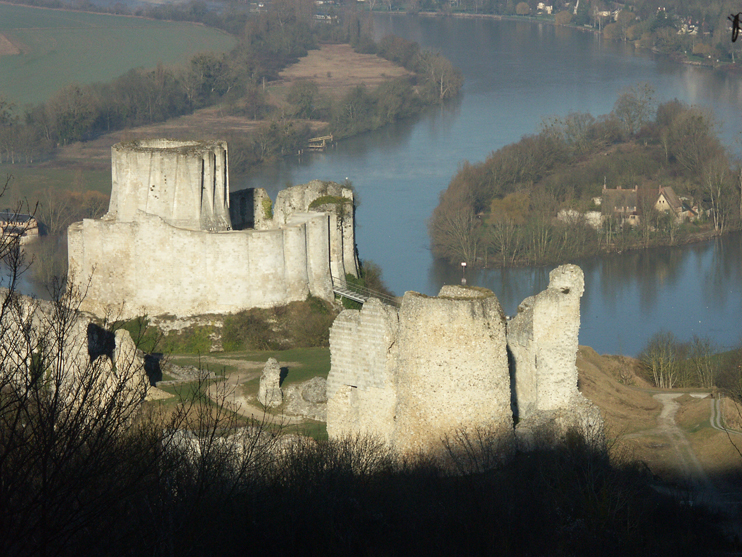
(360, 386)
(543, 339)
(297, 199)
(296, 274)
(556, 326)
(523, 361)
(213, 273)
(453, 370)
(318, 257)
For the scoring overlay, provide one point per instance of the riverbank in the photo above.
(675, 56)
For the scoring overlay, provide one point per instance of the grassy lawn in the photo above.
(302, 363)
(60, 47)
(28, 181)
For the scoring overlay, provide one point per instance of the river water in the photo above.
(516, 74)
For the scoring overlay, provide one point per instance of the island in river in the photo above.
(641, 176)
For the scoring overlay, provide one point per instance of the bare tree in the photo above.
(660, 359)
(635, 107)
(702, 361)
(454, 233)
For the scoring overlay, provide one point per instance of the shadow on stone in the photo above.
(152, 368)
(100, 342)
(284, 374)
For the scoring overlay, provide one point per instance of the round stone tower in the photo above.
(185, 183)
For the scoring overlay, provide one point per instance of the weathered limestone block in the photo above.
(543, 341)
(307, 399)
(269, 392)
(452, 374)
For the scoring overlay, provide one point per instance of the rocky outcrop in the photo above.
(269, 392)
(307, 399)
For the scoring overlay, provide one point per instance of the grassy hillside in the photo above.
(60, 47)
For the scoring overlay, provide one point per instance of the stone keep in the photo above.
(440, 365)
(168, 246)
(411, 376)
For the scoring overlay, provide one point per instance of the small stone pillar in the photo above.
(269, 393)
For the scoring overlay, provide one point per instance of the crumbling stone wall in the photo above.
(543, 342)
(451, 364)
(410, 376)
(167, 244)
(77, 355)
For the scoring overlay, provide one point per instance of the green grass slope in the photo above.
(62, 47)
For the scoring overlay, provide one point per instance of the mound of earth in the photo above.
(612, 384)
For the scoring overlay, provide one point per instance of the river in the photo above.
(516, 74)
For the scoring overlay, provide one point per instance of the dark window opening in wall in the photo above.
(242, 209)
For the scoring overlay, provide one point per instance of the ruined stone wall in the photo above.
(149, 267)
(447, 365)
(411, 376)
(166, 245)
(78, 355)
(361, 385)
(298, 199)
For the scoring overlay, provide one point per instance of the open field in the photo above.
(336, 69)
(58, 47)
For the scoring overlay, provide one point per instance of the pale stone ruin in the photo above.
(176, 242)
(269, 391)
(449, 364)
(77, 353)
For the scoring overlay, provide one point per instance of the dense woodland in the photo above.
(503, 211)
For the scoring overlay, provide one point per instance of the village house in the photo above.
(625, 204)
(19, 225)
(622, 204)
(668, 201)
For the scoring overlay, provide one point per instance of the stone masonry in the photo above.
(439, 366)
(411, 375)
(168, 245)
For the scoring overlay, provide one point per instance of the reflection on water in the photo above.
(515, 74)
(695, 289)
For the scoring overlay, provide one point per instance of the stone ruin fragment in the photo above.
(453, 366)
(269, 392)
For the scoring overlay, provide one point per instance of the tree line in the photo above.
(268, 42)
(503, 211)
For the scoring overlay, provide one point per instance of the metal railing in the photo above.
(360, 293)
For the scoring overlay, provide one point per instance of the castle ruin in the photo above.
(438, 366)
(176, 241)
